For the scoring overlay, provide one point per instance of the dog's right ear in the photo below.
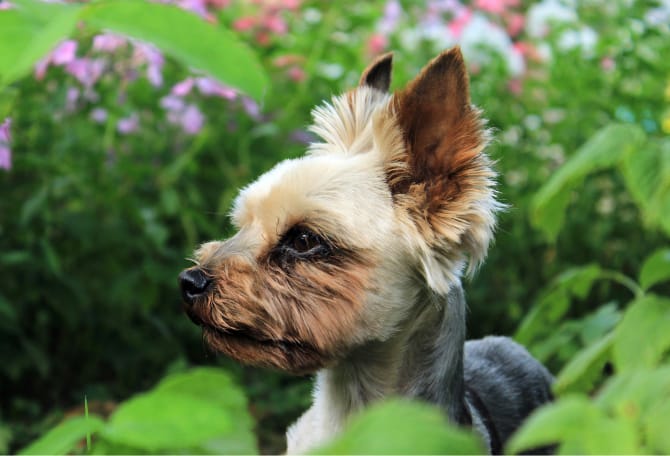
(378, 74)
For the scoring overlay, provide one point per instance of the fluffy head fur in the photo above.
(333, 248)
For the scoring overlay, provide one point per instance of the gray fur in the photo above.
(492, 384)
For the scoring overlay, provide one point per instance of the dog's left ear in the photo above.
(449, 184)
(378, 74)
(442, 131)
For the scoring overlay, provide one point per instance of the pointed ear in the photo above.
(378, 74)
(449, 188)
(440, 127)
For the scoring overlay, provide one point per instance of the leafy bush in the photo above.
(120, 157)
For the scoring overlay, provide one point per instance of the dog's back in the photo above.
(504, 385)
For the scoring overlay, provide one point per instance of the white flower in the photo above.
(584, 38)
(481, 37)
(541, 15)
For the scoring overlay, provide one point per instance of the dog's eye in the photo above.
(304, 242)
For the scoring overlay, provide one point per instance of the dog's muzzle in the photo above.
(194, 283)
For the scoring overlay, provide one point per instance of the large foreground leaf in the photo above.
(400, 427)
(30, 31)
(25, 38)
(185, 37)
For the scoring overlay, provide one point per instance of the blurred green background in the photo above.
(117, 160)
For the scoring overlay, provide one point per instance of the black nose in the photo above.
(193, 283)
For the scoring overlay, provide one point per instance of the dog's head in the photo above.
(333, 248)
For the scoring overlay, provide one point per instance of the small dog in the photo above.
(348, 262)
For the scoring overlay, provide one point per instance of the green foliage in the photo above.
(402, 427)
(656, 269)
(64, 437)
(603, 150)
(201, 411)
(27, 34)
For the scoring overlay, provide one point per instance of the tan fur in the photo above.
(402, 189)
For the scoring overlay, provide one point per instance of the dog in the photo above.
(348, 262)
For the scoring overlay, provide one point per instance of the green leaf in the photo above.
(185, 37)
(656, 268)
(631, 395)
(642, 337)
(585, 368)
(656, 427)
(63, 438)
(554, 304)
(578, 281)
(578, 426)
(604, 150)
(402, 427)
(24, 39)
(200, 411)
(161, 421)
(646, 172)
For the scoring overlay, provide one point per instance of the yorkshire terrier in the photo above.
(348, 262)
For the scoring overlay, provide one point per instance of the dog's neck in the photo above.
(424, 360)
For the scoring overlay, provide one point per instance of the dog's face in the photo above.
(333, 249)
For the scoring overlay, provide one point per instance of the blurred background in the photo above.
(116, 161)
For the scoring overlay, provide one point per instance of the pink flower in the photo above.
(251, 108)
(5, 6)
(5, 157)
(71, 97)
(41, 68)
(462, 19)
(172, 103)
(515, 24)
(86, 71)
(376, 44)
(183, 88)
(99, 115)
(108, 42)
(64, 53)
(244, 24)
(192, 120)
(209, 87)
(154, 59)
(275, 24)
(296, 74)
(128, 124)
(495, 6)
(5, 151)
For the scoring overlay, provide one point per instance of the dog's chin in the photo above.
(294, 357)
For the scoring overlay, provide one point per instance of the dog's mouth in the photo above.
(252, 347)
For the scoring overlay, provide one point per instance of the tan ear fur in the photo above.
(378, 74)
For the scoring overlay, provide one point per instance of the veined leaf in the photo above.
(604, 150)
(642, 337)
(185, 37)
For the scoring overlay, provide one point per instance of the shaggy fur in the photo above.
(347, 262)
